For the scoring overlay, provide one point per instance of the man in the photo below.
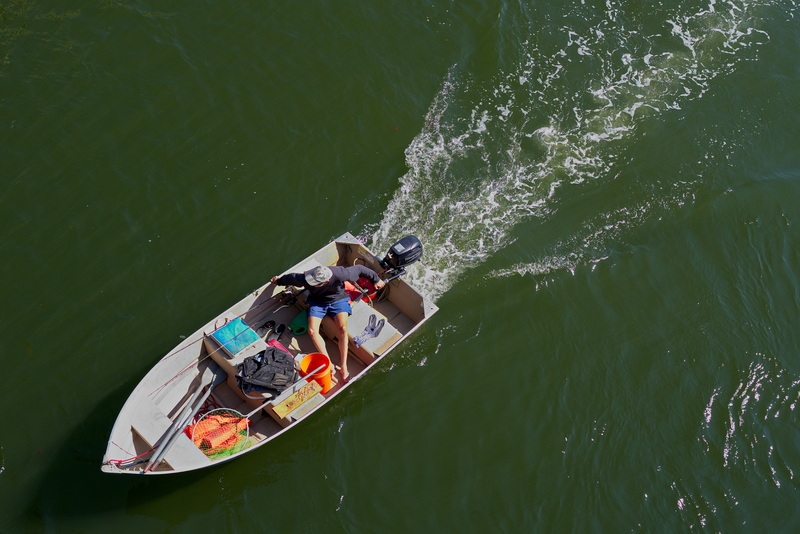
(326, 296)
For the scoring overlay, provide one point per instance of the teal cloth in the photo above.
(235, 336)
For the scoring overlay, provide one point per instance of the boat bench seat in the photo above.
(225, 360)
(372, 348)
(151, 424)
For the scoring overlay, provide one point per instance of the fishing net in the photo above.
(221, 432)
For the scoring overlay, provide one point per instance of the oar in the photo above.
(185, 416)
(205, 380)
(315, 371)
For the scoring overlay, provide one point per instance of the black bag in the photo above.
(272, 369)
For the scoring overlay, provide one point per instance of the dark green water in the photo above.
(609, 194)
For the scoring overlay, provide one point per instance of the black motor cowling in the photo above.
(403, 253)
(400, 255)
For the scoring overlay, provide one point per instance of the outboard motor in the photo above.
(400, 255)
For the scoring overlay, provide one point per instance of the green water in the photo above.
(608, 193)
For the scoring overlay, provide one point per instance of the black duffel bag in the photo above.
(272, 369)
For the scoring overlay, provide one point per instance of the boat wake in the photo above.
(491, 158)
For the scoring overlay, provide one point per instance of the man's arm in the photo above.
(357, 271)
(290, 279)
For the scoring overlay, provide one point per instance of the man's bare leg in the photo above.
(316, 337)
(341, 327)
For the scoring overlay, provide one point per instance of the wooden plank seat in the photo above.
(151, 424)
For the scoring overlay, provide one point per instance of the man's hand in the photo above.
(274, 279)
(380, 284)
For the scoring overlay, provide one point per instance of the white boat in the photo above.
(152, 432)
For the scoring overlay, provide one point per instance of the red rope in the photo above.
(119, 463)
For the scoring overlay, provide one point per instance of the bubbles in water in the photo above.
(488, 159)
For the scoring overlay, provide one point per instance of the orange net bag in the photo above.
(221, 432)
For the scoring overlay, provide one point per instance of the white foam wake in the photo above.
(488, 159)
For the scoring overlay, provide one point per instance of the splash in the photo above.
(488, 159)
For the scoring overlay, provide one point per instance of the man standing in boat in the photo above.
(327, 296)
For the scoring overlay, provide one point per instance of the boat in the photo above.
(156, 431)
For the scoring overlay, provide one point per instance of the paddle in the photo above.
(192, 407)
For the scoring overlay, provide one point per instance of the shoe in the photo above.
(372, 330)
(266, 329)
(277, 333)
(377, 330)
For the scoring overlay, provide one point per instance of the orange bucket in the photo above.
(323, 376)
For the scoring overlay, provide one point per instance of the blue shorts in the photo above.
(316, 309)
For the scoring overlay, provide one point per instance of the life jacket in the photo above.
(364, 283)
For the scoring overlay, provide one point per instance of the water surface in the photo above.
(607, 192)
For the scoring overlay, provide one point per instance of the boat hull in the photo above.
(156, 407)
